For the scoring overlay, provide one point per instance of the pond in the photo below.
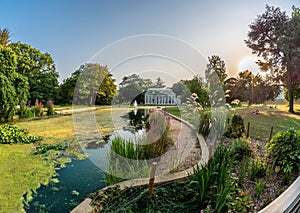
(81, 177)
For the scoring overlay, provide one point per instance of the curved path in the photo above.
(190, 148)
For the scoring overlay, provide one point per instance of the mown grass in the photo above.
(261, 123)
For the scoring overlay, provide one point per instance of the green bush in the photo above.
(236, 129)
(12, 135)
(284, 151)
(241, 148)
(258, 169)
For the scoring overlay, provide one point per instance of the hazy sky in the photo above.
(73, 31)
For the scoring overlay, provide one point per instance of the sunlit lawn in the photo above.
(260, 124)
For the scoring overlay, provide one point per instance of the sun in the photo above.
(248, 63)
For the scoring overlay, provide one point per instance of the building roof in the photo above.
(160, 91)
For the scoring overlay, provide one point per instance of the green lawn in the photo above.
(260, 124)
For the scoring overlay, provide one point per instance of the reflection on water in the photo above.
(80, 178)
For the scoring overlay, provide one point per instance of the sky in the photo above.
(75, 32)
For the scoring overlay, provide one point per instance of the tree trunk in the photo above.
(290, 86)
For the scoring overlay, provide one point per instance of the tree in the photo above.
(252, 88)
(94, 83)
(40, 70)
(133, 87)
(4, 37)
(159, 83)
(275, 38)
(66, 88)
(178, 87)
(196, 86)
(218, 65)
(13, 87)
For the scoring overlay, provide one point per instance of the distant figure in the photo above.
(256, 112)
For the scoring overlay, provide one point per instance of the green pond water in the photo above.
(81, 177)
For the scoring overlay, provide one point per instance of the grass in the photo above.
(260, 124)
(21, 173)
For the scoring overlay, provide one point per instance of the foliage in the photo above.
(38, 107)
(4, 37)
(50, 108)
(236, 128)
(196, 86)
(159, 83)
(8, 99)
(13, 135)
(95, 85)
(133, 87)
(259, 187)
(212, 183)
(258, 169)
(274, 37)
(46, 147)
(240, 149)
(255, 89)
(178, 87)
(40, 70)
(218, 65)
(284, 151)
(239, 201)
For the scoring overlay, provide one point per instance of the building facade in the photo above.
(160, 96)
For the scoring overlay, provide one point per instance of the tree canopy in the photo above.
(94, 85)
(275, 38)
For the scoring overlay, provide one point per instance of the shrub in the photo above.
(241, 148)
(258, 169)
(12, 135)
(50, 108)
(38, 108)
(236, 128)
(284, 151)
(29, 113)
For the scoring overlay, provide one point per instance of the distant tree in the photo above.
(275, 38)
(251, 88)
(178, 87)
(196, 85)
(133, 87)
(4, 37)
(94, 85)
(66, 88)
(218, 65)
(159, 83)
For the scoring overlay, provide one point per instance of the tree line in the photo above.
(28, 75)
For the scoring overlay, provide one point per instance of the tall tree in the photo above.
(159, 83)
(95, 82)
(4, 37)
(218, 65)
(40, 70)
(133, 87)
(178, 87)
(196, 85)
(275, 37)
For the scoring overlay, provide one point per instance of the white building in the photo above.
(160, 96)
